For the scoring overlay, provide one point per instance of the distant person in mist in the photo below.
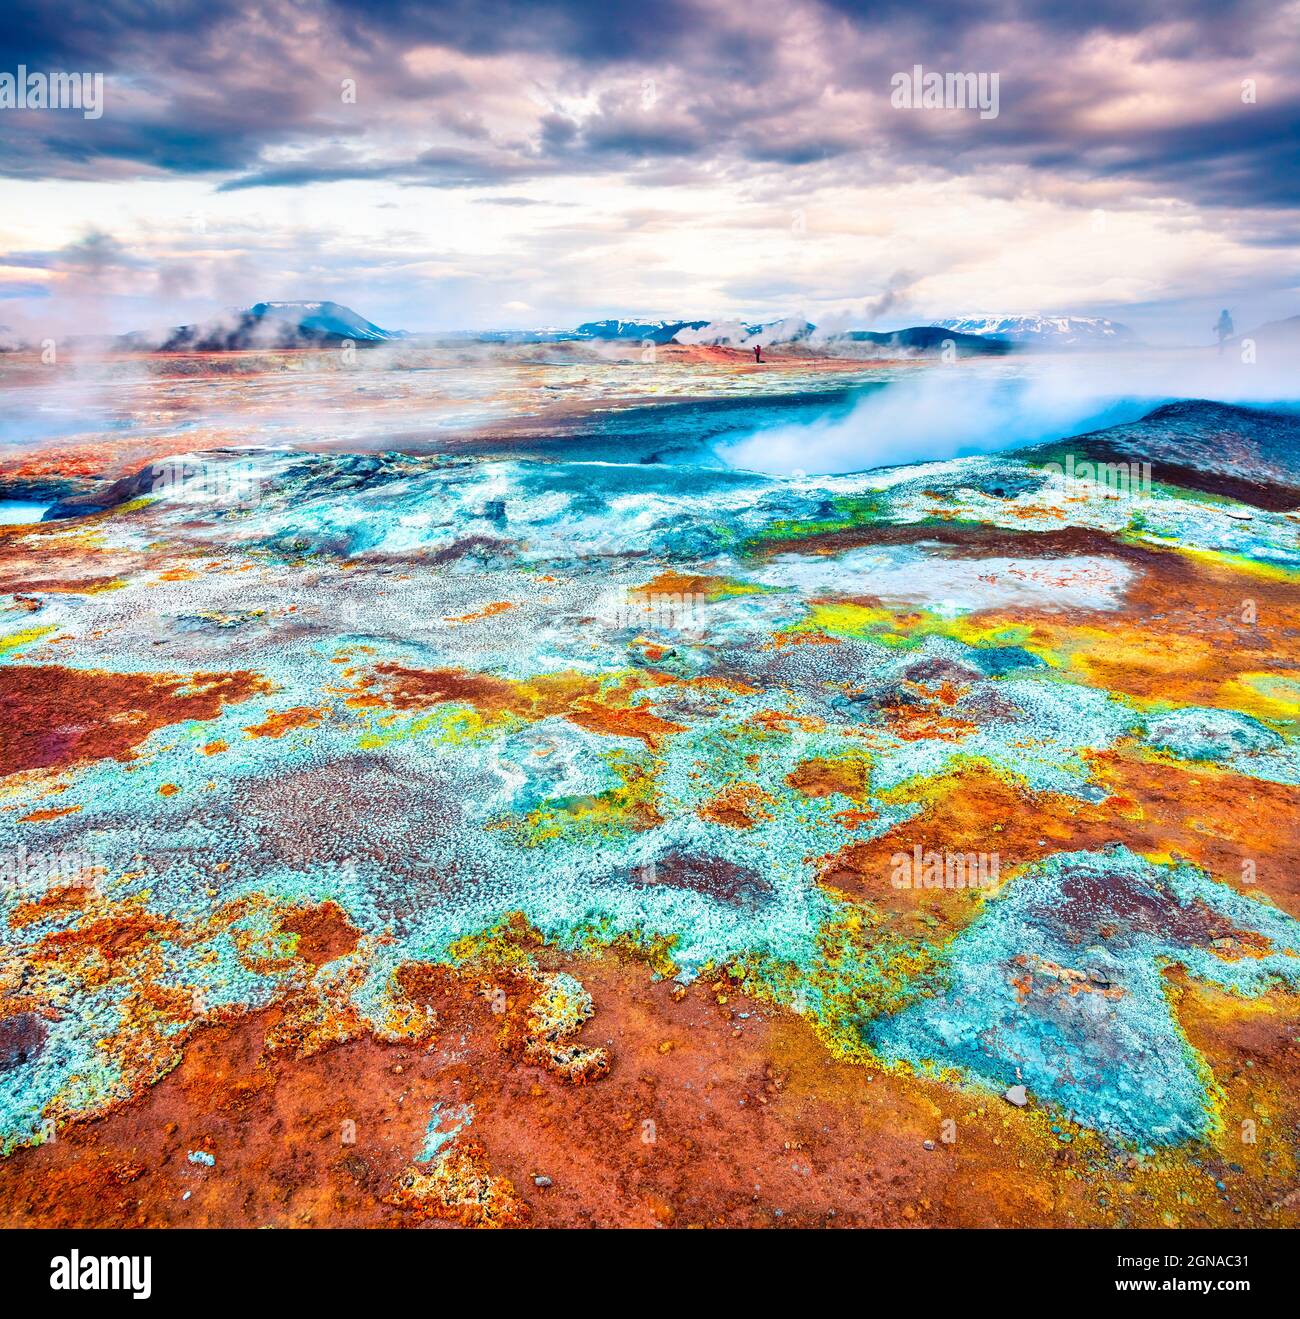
(1223, 327)
(758, 352)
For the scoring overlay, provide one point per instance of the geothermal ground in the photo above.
(447, 793)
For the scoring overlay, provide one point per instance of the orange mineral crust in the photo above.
(699, 1078)
(56, 717)
(1155, 807)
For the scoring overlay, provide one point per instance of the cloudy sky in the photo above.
(481, 163)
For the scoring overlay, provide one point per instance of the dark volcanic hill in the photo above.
(272, 325)
(931, 338)
(1275, 334)
(1249, 454)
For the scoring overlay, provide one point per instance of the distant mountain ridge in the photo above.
(1056, 331)
(304, 324)
(280, 325)
(658, 332)
(745, 334)
(931, 338)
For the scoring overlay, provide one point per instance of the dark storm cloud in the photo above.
(190, 88)
(1210, 25)
(1237, 159)
(102, 33)
(442, 167)
(799, 151)
(114, 148)
(592, 30)
(1246, 159)
(638, 139)
(248, 95)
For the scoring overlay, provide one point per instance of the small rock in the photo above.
(541, 1181)
(1016, 1095)
(929, 1144)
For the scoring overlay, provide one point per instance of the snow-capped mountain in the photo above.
(1050, 331)
(655, 331)
(743, 334)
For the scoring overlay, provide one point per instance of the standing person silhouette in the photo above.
(1223, 328)
(758, 352)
